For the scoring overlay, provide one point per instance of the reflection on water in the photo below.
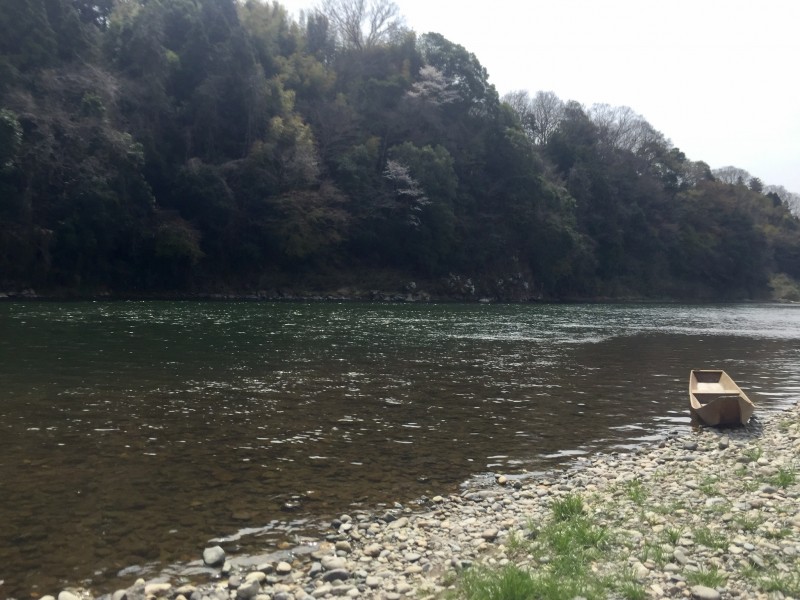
(132, 433)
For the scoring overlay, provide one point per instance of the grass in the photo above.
(708, 486)
(747, 523)
(670, 507)
(784, 478)
(656, 553)
(635, 491)
(567, 508)
(710, 539)
(672, 535)
(785, 583)
(778, 534)
(566, 546)
(753, 454)
(708, 577)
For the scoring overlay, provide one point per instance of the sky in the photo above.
(719, 78)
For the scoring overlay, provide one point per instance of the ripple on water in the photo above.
(125, 423)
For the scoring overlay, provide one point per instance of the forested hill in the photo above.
(187, 146)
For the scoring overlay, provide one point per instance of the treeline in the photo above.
(188, 145)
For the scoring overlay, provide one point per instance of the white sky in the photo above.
(717, 77)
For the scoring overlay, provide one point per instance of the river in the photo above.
(134, 433)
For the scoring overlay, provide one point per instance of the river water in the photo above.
(134, 433)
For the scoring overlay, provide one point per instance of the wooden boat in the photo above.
(715, 399)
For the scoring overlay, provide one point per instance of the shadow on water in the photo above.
(135, 432)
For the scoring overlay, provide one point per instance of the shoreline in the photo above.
(699, 501)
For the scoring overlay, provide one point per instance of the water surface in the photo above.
(132, 433)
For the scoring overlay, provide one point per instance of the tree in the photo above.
(547, 111)
(790, 199)
(731, 175)
(463, 73)
(362, 24)
(620, 127)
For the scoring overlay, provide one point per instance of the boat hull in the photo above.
(716, 400)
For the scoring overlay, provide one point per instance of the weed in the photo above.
(747, 523)
(753, 454)
(655, 553)
(708, 577)
(710, 539)
(631, 590)
(509, 583)
(784, 478)
(672, 535)
(708, 487)
(778, 534)
(636, 491)
(785, 583)
(669, 508)
(567, 508)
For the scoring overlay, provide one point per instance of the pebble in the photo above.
(702, 592)
(690, 486)
(214, 556)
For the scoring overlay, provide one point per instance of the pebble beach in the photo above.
(702, 513)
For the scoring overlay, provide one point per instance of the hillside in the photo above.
(198, 146)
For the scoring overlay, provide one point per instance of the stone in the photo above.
(398, 524)
(248, 590)
(344, 546)
(258, 576)
(680, 556)
(283, 568)
(322, 590)
(157, 589)
(336, 574)
(214, 556)
(330, 563)
(65, 595)
(490, 534)
(701, 592)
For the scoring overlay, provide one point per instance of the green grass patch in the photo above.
(710, 539)
(778, 534)
(708, 486)
(669, 508)
(509, 583)
(654, 552)
(566, 546)
(784, 478)
(753, 454)
(567, 508)
(672, 535)
(786, 583)
(748, 523)
(635, 491)
(708, 577)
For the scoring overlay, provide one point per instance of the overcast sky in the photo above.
(717, 77)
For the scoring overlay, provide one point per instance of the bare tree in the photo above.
(621, 127)
(521, 103)
(732, 175)
(548, 112)
(363, 24)
(540, 116)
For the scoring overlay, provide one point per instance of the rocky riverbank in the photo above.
(703, 514)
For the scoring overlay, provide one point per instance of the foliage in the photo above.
(192, 144)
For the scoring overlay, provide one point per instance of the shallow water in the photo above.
(132, 433)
